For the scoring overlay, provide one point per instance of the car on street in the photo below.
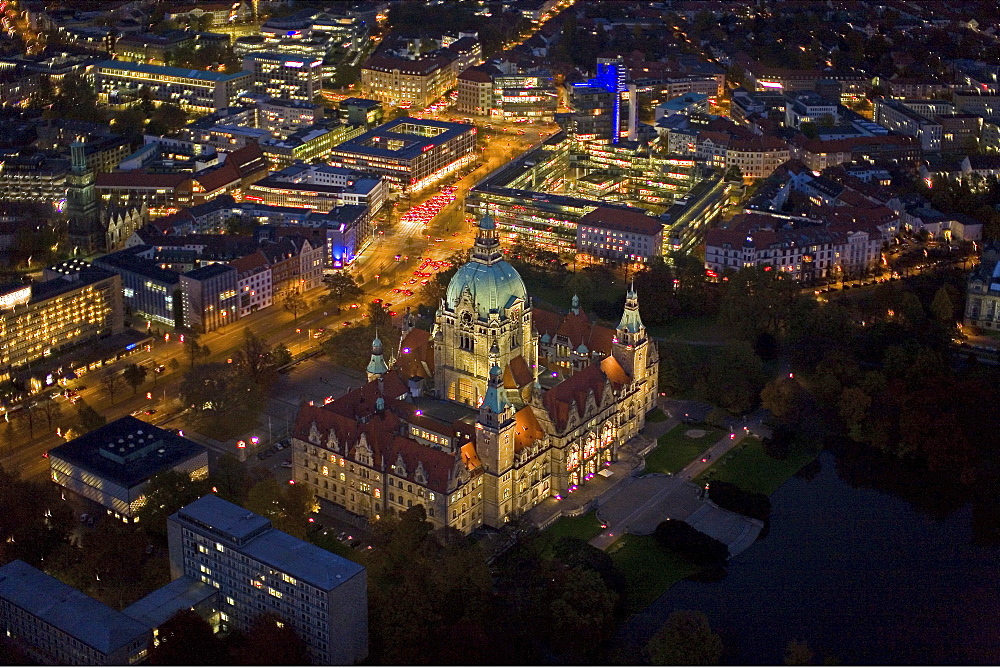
(150, 411)
(287, 464)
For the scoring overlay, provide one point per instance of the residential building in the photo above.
(619, 235)
(475, 90)
(113, 464)
(900, 118)
(806, 249)
(153, 49)
(41, 319)
(291, 76)
(56, 624)
(197, 91)
(258, 569)
(410, 153)
(975, 101)
(32, 177)
(687, 104)
(406, 83)
(162, 193)
(253, 275)
(210, 297)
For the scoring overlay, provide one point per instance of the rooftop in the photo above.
(86, 619)
(127, 451)
(404, 138)
(623, 220)
(161, 70)
(258, 539)
(160, 605)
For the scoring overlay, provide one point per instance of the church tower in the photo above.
(495, 447)
(486, 306)
(81, 201)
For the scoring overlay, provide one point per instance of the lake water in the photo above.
(859, 575)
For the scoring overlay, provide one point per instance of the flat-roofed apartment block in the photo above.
(57, 625)
(410, 153)
(292, 76)
(112, 465)
(258, 569)
(200, 91)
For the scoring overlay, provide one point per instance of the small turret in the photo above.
(576, 305)
(631, 323)
(494, 401)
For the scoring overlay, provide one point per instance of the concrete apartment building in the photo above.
(901, 119)
(198, 91)
(258, 569)
(210, 297)
(290, 76)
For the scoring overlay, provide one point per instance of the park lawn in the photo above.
(649, 569)
(656, 415)
(690, 328)
(754, 470)
(674, 450)
(584, 527)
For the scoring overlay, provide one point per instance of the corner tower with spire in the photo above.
(377, 367)
(631, 348)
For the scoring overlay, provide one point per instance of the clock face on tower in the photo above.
(467, 318)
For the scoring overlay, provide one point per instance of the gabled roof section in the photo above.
(527, 430)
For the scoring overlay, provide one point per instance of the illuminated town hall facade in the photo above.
(500, 407)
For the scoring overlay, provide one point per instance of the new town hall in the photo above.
(500, 407)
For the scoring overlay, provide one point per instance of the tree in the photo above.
(784, 398)
(87, 418)
(735, 378)
(239, 225)
(341, 287)
(272, 641)
(281, 355)
(174, 364)
(294, 303)
(186, 640)
(253, 359)
(50, 409)
(229, 479)
(220, 396)
(685, 639)
(942, 308)
(798, 654)
(193, 348)
(135, 375)
(110, 380)
(166, 493)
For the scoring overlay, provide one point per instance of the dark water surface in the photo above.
(859, 575)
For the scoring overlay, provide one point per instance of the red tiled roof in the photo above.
(623, 220)
(218, 178)
(249, 160)
(526, 429)
(517, 374)
(249, 263)
(419, 361)
(474, 74)
(574, 389)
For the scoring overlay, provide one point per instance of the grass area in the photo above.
(754, 470)
(649, 569)
(583, 527)
(690, 328)
(675, 449)
(656, 415)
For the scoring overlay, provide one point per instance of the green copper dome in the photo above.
(492, 282)
(493, 286)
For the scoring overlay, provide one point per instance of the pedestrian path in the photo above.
(639, 507)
